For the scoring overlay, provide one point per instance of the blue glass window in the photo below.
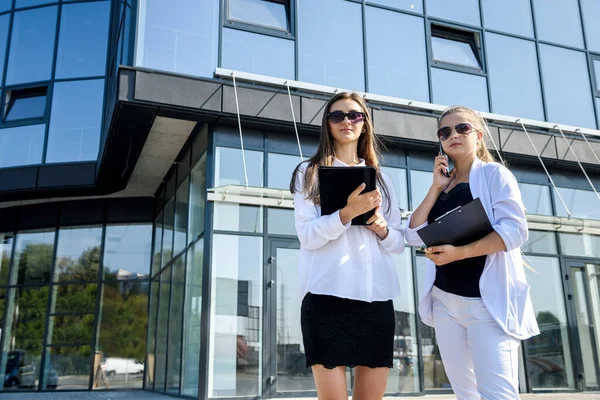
(22, 145)
(391, 36)
(567, 86)
(454, 52)
(25, 103)
(456, 88)
(31, 3)
(259, 54)
(330, 49)
(408, 5)
(465, 11)
(515, 86)
(512, 16)
(590, 9)
(83, 40)
(75, 121)
(558, 21)
(5, 5)
(182, 39)
(4, 20)
(32, 46)
(259, 12)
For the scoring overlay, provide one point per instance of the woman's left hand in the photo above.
(442, 255)
(378, 224)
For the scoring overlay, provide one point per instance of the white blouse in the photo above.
(346, 261)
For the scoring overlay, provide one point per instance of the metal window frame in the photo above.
(472, 37)
(289, 33)
(23, 92)
(595, 73)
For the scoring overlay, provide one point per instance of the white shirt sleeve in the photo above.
(510, 221)
(412, 237)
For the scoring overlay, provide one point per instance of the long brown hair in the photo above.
(482, 151)
(367, 149)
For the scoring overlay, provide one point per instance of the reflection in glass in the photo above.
(25, 103)
(258, 12)
(573, 244)
(33, 256)
(181, 216)
(229, 168)
(236, 316)
(454, 52)
(83, 40)
(175, 325)
(565, 74)
(581, 203)
(158, 237)
(281, 167)
(391, 73)
(558, 21)
(536, 198)
(32, 46)
(197, 200)
(78, 254)
(74, 298)
(161, 335)
(465, 11)
(281, 221)
(398, 177)
(549, 356)
(450, 87)
(541, 242)
(515, 86)
(22, 145)
(182, 39)
(153, 315)
(590, 9)
(127, 251)
(23, 337)
(512, 16)
(6, 244)
(238, 217)
(318, 61)
(407, 5)
(67, 367)
(67, 329)
(191, 324)
(420, 182)
(169, 222)
(75, 121)
(122, 332)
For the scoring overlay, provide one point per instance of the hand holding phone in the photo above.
(441, 153)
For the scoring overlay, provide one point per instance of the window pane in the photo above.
(454, 52)
(192, 314)
(597, 72)
(536, 198)
(30, 3)
(573, 244)
(33, 255)
(68, 364)
(390, 36)
(180, 39)
(22, 145)
(158, 237)
(281, 222)
(238, 217)
(69, 329)
(122, 328)
(558, 21)
(551, 346)
(161, 336)
(408, 5)
(153, 315)
(420, 182)
(127, 251)
(83, 40)
(6, 244)
(515, 86)
(229, 168)
(169, 222)
(32, 46)
(398, 177)
(24, 335)
(466, 11)
(181, 216)
(281, 167)
(4, 21)
(5, 5)
(512, 16)
(258, 54)
(78, 254)
(541, 242)
(197, 199)
(451, 87)
(318, 61)
(259, 12)
(236, 323)
(75, 121)
(74, 298)
(27, 107)
(175, 325)
(590, 9)
(581, 203)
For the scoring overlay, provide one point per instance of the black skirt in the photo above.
(343, 332)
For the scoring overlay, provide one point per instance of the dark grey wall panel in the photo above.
(259, 103)
(135, 209)
(82, 212)
(64, 175)
(18, 178)
(38, 216)
(312, 111)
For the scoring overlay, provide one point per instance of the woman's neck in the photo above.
(463, 166)
(347, 153)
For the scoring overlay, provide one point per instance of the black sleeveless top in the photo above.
(459, 277)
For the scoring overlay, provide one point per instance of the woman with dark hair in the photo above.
(347, 275)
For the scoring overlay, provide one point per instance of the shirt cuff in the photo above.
(389, 242)
(335, 223)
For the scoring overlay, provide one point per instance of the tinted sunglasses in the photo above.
(354, 117)
(462, 129)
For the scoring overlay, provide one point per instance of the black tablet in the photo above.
(336, 184)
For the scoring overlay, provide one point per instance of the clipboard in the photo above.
(336, 184)
(458, 227)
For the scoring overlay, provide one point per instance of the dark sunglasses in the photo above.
(354, 117)
(462, 129)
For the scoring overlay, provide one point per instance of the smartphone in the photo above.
(446, 172)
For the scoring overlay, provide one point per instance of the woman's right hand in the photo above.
(441, 181)
(359, 204)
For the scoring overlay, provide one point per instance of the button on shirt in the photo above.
(347, 261)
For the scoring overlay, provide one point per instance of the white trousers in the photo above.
(480, 359)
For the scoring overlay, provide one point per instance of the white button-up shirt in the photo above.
(346, 261)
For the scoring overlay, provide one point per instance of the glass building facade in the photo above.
(165, 282)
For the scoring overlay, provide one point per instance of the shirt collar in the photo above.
(338, 163)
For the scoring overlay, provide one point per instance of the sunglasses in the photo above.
(462, 129)
(354, 117)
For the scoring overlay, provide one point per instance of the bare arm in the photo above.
(440, 181)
